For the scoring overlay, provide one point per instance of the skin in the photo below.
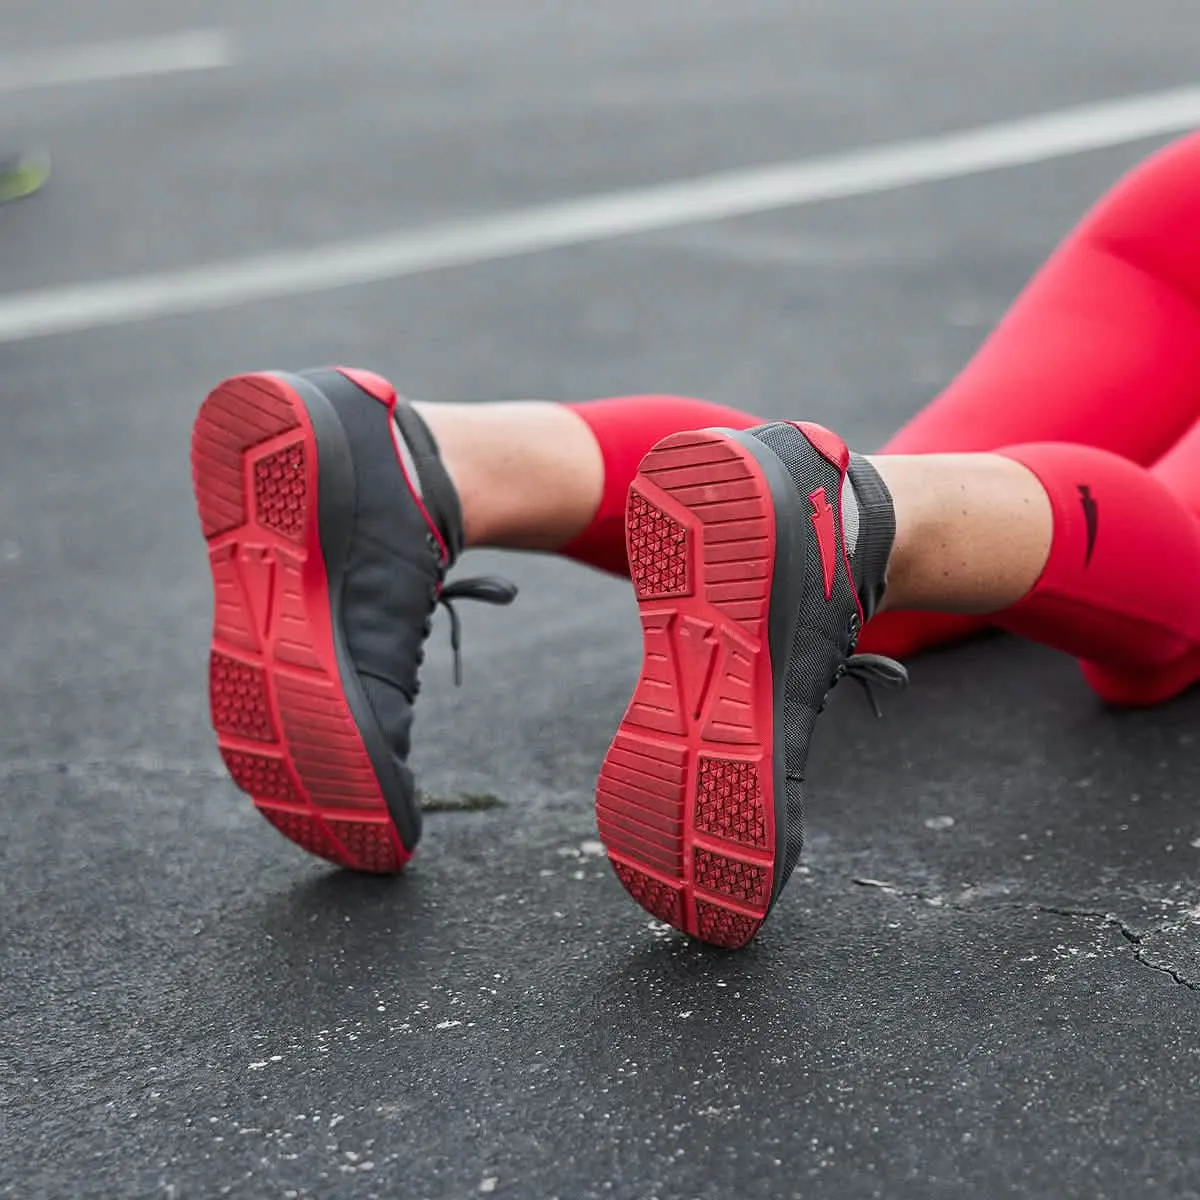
(973, 531)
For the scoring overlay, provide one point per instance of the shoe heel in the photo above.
(684, 801)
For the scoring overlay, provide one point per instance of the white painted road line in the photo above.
(593, 219)
(98, 62)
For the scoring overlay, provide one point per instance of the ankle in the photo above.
(973, 531)
(915, 541)
(528, 473)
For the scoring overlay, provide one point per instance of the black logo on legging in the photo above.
(1091, 514)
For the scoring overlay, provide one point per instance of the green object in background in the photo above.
(22, 174)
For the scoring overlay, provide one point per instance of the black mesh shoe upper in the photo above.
(400, 549)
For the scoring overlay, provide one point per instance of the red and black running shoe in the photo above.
(757, 557)
(330, 522)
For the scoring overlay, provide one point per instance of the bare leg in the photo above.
(529, 473)
(1007, 534)
(973, 531)
(540, 476)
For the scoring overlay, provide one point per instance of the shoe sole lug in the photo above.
(279, 706)
(685, 801)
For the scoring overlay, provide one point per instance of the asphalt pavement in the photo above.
(982, 981)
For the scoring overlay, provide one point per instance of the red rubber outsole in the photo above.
(685, 802)
(283, 724)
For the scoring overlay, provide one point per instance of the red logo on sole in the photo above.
(822, 519)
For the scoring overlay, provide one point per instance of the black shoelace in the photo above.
(871, 671)
(488, 589)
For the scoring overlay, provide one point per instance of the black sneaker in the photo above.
(753, 582)
(330, 524)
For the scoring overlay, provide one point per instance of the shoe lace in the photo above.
(871, 671)
(488, 589)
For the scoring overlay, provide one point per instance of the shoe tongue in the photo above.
(875, 531)
(418, 451)
(850, 522)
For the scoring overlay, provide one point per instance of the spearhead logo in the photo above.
(822, 519)
(1091, 514)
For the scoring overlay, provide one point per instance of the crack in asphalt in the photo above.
(1136, 938)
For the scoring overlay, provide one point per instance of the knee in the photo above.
(1151, 218)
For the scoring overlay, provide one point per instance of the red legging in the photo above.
(1100, 356)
